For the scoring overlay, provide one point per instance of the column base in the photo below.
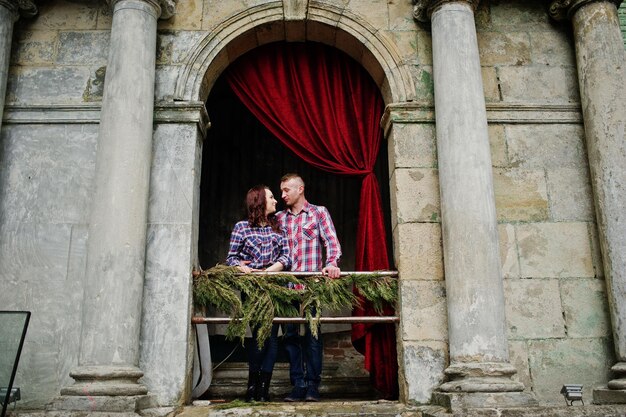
(609, 396)
(455, 401)
(101, 403)
(104, 389)
(615, 392)
(481, 377)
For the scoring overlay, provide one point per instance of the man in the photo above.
(308, 227)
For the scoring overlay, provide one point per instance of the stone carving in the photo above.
(564, 9)
(423, 8)
(168, 7)
(25, 8)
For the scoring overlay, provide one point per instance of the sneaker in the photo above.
(312, 394)
(297, 394)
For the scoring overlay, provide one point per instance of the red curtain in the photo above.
(324, 107)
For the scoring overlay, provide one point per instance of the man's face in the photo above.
(292, 191)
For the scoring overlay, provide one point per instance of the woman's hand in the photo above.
(243, 267)
(275, 267)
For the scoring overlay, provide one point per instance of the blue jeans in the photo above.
(311, 363)
(265, 358)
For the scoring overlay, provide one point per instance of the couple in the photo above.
(291, 239)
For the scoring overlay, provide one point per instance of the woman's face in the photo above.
(270, 202)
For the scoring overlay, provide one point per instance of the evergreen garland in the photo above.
(267, 296)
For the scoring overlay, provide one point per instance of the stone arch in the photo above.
(324, 23)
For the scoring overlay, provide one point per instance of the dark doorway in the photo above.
(238, 153)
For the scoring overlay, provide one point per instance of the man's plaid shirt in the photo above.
(306, 232)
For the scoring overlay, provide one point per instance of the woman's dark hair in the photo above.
(256, 204)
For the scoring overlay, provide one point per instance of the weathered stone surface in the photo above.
(83, 48)
(585, 307)
(167, 309)
(65, 15)
(424, 310)
(508, 251)
(424, 84)
(375, 11)
(400, 15)
(609, 396)
(518, 355)
(406, 42)
(497, 144)
(33, 159)
(497, 48)
(533, 309)
(42, 272)
(520, 195)
(34, 47)
(556, 362)
(217, 11)
(596, 255)
(415, 195)
(424, 47)
(540, 84)
(418, 251)
(552, 48)
(47, 84)
(187, 17)
(554, 250)
(491, 84)
(178, 45)
(463, 401)
(529, 15)
(412, 145)
(546, 146)
(570, 194)
(422, 369)
(175, 148)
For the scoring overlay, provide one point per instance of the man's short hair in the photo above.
(291, 175)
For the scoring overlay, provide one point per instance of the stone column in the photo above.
(109, 351)
(479, 372)
(601, 63)
(9, 13)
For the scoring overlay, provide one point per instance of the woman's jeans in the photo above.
(312, 360)
(263, 359)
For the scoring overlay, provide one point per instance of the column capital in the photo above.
(422, 9)
(164, 8)
(25, 8)
(565, 9)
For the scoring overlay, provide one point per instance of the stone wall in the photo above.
(622, 20)
(559, 328)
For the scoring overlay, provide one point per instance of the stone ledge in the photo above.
(468, 400)
(609, 396)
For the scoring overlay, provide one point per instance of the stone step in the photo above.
(393, 409)
(229, 382)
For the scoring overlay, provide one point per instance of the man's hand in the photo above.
(331, 271)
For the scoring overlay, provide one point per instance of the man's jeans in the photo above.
(311, 360)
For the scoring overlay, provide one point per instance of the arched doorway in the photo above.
(238, 153)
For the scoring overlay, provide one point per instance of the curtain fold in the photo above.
(325, 108)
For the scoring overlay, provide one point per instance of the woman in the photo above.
(258, 244)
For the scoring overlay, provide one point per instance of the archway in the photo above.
(238, 153)
(321, 23)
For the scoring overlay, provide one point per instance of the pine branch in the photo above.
(267, 296)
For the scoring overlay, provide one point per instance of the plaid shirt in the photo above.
(260, 245)
(306, 232)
